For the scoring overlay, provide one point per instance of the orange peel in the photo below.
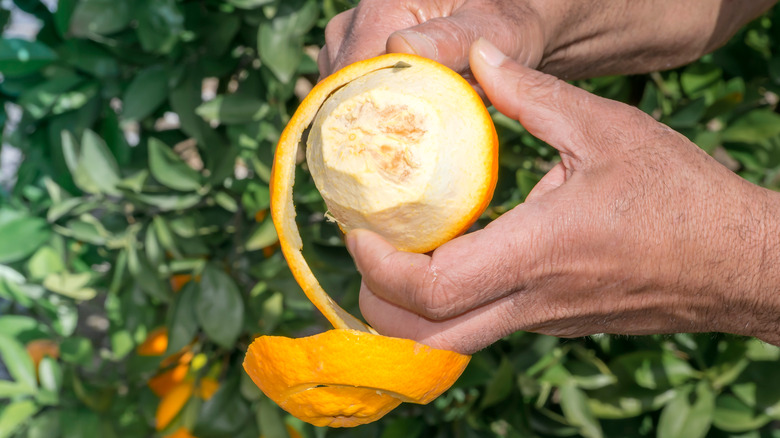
(351, 375)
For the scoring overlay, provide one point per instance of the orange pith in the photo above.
(352, 375)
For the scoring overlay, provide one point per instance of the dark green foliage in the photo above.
(147, 130)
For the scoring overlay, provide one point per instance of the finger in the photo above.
(462, 274)
(448, 39)
(335, 31)
(464, 334)
(323, 62)
(580, 125)
(362, 33)
(475, 329)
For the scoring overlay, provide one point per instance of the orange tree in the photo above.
(138, 261)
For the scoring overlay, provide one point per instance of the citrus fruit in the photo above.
(393, 151)
(403, 146)
(39, 348)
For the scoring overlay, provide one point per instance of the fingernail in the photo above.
(419, 44)
(490, 53)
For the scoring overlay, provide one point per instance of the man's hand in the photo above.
(635, 231)
(567, 38)
(439, 30)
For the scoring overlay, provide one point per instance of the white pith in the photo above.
(394, 153)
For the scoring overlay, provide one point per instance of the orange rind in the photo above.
(344, 378)
(415, 134)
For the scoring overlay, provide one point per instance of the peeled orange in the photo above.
(403, 146)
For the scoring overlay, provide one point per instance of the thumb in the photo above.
(447, 39)
(577, 123)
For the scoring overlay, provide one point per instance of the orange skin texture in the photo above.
(343, 378)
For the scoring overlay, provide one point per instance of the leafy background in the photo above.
(138, 260)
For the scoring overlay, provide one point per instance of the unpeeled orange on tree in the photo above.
(402, 146)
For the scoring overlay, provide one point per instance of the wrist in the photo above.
(743, 271)
(594, 38)
(761, 296)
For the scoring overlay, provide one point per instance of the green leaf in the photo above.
(20, 57)
(219, 307)
(15, 415)
(689, 414)
(262, 236)
(500, 385)
(165, 236)
(76, 98)
(18, 362)
(182, 321)
(233, 109)
(100, 17)
(404, 428)
(39, 100)
(653, 369)
(280, 40)
(45, 261)
(169, 202)
(76, 350)
(45, 425)
(9, 389)
(147, 276)
(226, 201)
(147, 91)
(135, 182)
(97, 171)
(270, 420)
(249, 4)
(21, 237)
(223, 414)
(10, 274)
(574, 404)
(169, 169)
(160, 24)
(754, 127)
(121, 343)
(63, 14)
(71, 285)
(698, 77)
(22, 328)
(50, 375)
(733, 415)
(688, 115)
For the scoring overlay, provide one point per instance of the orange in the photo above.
(40, 348)
(174, 400)
(165, 381)
(179, 280)
(155, 344)
(181, 432)
(403, 146)
(408, 151)
(172, 403)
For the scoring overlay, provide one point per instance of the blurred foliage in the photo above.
(138, 260)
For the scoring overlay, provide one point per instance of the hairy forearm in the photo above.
(600, 37)
(759, 294)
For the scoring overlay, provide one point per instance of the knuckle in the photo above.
(433, 296)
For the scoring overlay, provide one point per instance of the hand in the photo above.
(567, 38)
(635, 231)
(439, 30)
